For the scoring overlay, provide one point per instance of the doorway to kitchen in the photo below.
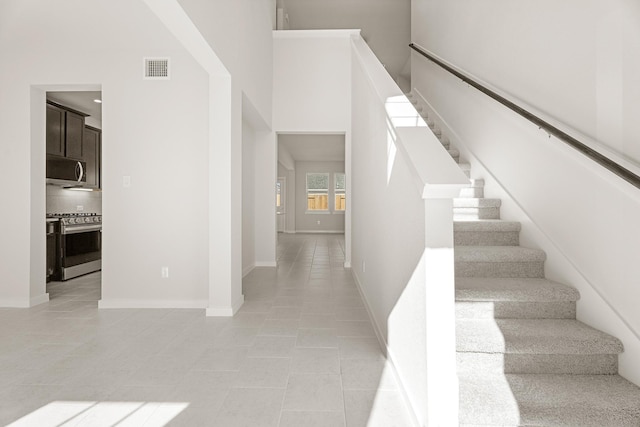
(73, 191)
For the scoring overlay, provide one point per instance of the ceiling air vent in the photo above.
(156, 68)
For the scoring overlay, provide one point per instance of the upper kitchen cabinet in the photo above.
(91, 155)
(65, 132)
(55, 130)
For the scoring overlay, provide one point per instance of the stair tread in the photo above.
(496, 225)
(513, 289)
(533, 336)
(475, 202)
(498, 254)
(544, 400)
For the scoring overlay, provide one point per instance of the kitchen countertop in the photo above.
(53, 219)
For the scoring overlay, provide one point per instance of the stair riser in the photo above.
(499, 269)
(486, 238)
(476, 213)
(515, 310)
(472, 192)
(573, 364)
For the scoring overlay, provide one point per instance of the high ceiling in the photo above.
(313, 147)
(385, 24)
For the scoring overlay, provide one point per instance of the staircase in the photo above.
(523, 359)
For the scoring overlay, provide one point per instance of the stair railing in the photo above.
(583, 148)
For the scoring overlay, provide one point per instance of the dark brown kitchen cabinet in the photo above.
(92, 155)
(74, 135)
(55, 130)
(65, 131)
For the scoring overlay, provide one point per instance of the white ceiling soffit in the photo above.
(313, 148)
(81, 101)
(385, 24)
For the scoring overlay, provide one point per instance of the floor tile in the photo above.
(312, 419)
(221, 359)
(280, 327)
(367, 375)
(300, 352)
(250, 407)
(315, 361)
(375, 408)
(272, 346)
(264, 372)
(313, 392)
(317, 338)
(359, 348)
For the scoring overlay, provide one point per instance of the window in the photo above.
(278, 194)
(317, 191)
(340, 192)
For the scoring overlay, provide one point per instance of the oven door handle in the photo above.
(80, 229)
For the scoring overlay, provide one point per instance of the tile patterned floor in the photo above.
(301, 352)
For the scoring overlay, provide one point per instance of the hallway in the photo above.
(301, 351)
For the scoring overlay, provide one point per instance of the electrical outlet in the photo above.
(126, 181)
(318, 222)
(164, 272)
(79, 208)
(364, 266)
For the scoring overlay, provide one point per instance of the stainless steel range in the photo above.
(79, 244)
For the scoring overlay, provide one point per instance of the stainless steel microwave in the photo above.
(66, 172)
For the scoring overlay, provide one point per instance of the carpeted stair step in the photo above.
(514, 298)
(473, 208)
(444, 141)
(535, 346)
(499, 261)
(548, 400)
(466, 168)
(454, 153)
(491, 232)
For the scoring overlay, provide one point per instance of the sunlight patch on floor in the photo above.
(122, 414)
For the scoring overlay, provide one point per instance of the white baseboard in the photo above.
(266, 264)
(320, 231)
(226, 311)
(133, 303)
(15, 303)
(383, 343)
(248, 269)
(41, 299)
(24, 302)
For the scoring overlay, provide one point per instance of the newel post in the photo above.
(442, 380)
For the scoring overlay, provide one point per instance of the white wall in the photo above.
(311, 85)
(584, 217)
(239, 32)
(248, 198)
(312, 91)
(330, 221)
(154, 131)
(576, 61)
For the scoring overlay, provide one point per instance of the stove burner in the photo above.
(71, 214)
